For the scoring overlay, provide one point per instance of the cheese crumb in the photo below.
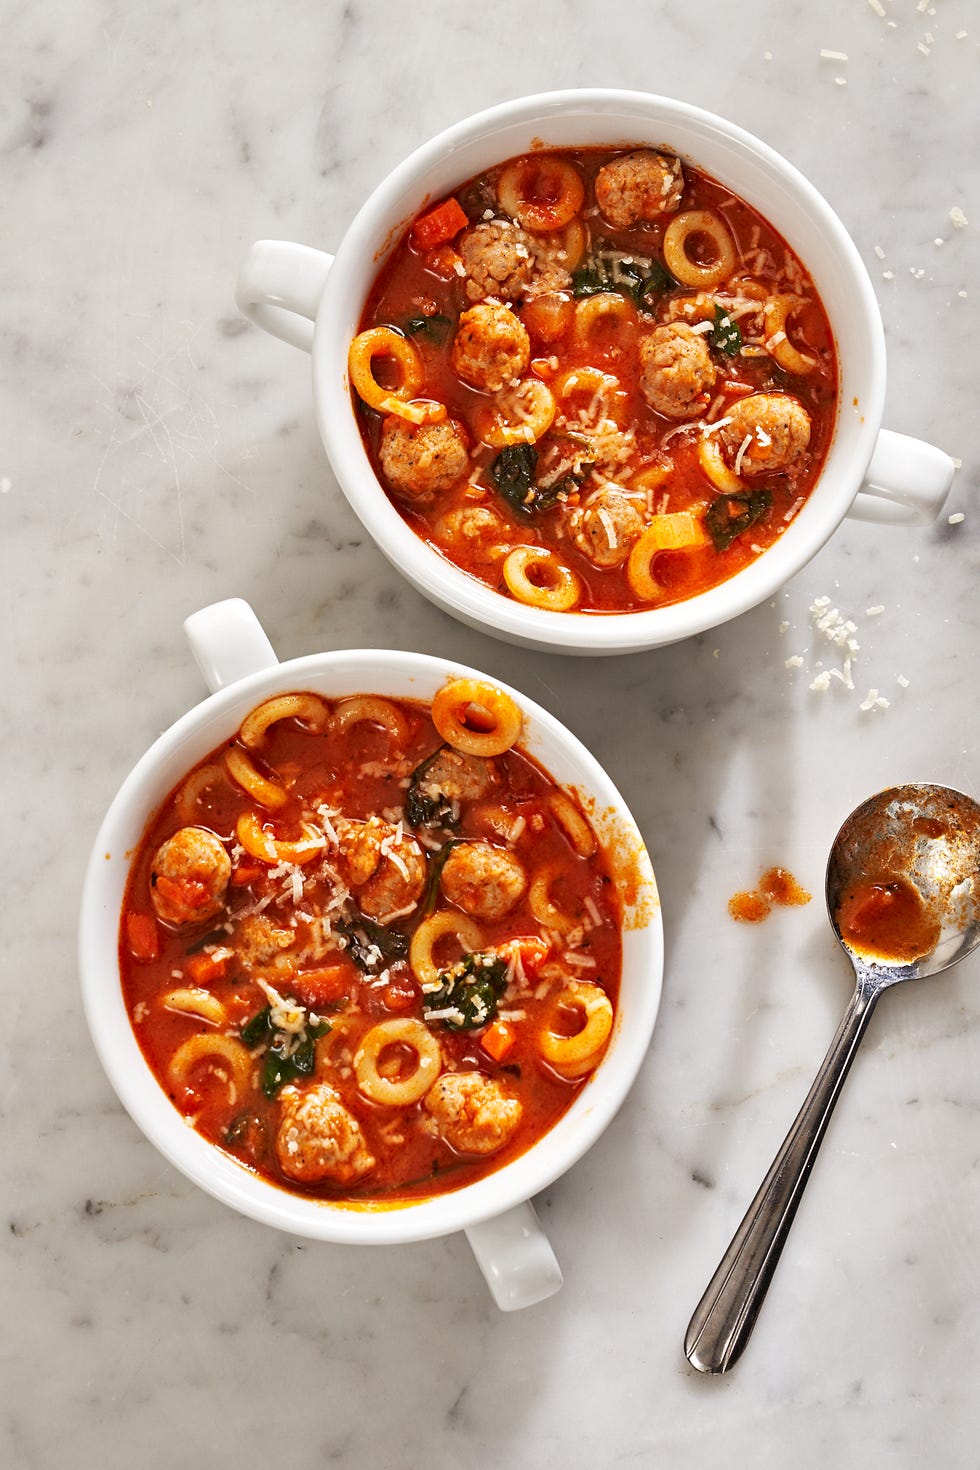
(877, 7)
(958, 218)
(874, 701)
(888, 275)
(821, 682)
(879, 252)
(783, 627)
(874, 612)
(793, 662)
(903, 681)
(954, 520)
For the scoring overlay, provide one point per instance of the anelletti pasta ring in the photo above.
(543, 906)
(574, 1055)
(385, 342)
(713, 463)
(558, 590)
(776, 313)
(307, 708)
(452, 708)
(259, 843)
(376, 711)
(541, 193)
(397, 1092)
(682, 228)
(214, 1049)
(427, 936)
(520, 415)
(260, 788)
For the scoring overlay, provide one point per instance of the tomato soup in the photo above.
(368, 947)
(596, 380)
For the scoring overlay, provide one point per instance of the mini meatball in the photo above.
(385, 868)
(483, 880)
(478, 528)
(189, 876)
(638, 186)
(491, 346)
(498, 259)
(676, 370)
(319, 1139)
(419, 460)
(777, 427)
(473, 1113)
(260, 941)
(605, 529)
(454, 776)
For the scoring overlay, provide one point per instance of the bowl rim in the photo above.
(373, 230)
(189, 739)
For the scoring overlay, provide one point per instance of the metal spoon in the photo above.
(903, 893)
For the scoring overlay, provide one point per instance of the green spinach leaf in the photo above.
(729, 515)
(472, 988)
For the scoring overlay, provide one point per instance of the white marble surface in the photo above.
(157, 455)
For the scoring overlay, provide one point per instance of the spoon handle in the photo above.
(724, 1317)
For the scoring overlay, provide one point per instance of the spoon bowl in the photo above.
(903, 894)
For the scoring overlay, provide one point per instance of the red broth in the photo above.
(281, 908)
(649, 482)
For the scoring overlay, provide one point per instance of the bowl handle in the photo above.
(279, 289)
(516, 1258)
(228, 642)
(906, 484)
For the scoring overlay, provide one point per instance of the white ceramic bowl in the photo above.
(870, 473)
(238, 663)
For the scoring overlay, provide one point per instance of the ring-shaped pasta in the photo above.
(384, 342)
(573, 1056)
(713, 464)
(679, 531)
(193, 1001)
(427, 936)
(572, 823)
(216, 1050)
(776, 313)
(541, 193)
(259, 843)
(267, 793)
(592, 311)
(602, 392)
(558, 590)
(452, 716)
(699, 308)
(520, 415)
(682, 228)
(543, 906)
(309, 709)
(397, 1092)
(373, 710)
(189, 796)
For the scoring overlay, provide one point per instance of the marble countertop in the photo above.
(159, 454)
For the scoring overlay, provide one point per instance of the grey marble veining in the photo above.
(158, 454)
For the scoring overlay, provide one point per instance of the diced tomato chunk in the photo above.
(400, 993)
(439, 225)
(182, 893)
(142, 937)
(323, 987)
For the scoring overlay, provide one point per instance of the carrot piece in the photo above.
(142, 936)
(498, 1040)
(439, 225)
(205, 969)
